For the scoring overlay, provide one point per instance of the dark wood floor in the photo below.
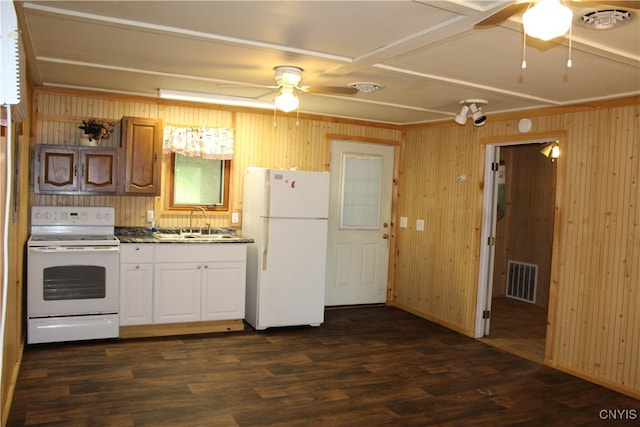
(374, 366)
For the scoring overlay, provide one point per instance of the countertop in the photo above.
(163, 235)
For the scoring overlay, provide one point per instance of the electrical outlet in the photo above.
(235, 218)
(149, 216)
(420, 225)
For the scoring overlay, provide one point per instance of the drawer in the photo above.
(136, 253)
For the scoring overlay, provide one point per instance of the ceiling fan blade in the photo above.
(502, 14)
(250, 86)
(337, 90)
(623, 4)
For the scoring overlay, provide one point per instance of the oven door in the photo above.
(72, 281)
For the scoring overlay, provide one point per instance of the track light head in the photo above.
(461, 118)
(477, 115)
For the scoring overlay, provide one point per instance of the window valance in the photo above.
(202, 142)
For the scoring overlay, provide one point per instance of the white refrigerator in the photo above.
(286, 214)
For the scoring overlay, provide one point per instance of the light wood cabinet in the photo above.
(136, 284)
(142, 144)
(75, 170)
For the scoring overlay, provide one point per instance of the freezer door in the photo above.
(292, 273)
(298, 194)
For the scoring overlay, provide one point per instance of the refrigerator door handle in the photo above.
(265, 242)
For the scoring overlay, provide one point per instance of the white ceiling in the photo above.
(427, 54)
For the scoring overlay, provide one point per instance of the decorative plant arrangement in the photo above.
(95, 131)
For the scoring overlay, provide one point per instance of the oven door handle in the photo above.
(69, 249)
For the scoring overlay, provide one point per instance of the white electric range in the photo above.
(72, 274)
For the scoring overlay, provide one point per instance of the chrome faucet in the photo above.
(191, 218)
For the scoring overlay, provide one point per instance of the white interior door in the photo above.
(359, 221)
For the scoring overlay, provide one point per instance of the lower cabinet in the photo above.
(136, 284)
(187, 282)
(177, 292)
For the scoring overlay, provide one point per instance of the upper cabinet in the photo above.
(131, 169)
(142, 144)
(75, 170)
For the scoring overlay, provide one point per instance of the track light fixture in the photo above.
(551, 150)
(472, 106)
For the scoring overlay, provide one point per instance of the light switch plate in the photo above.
(235, 218)
(149, 216)
(420, 225)
(403, 222)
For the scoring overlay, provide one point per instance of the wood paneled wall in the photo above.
(17, 234)
(594, 310)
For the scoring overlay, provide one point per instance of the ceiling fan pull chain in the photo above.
(524, 50)
(569, 62)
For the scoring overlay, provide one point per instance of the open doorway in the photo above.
(517, 275)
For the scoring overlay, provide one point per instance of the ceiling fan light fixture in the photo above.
(287, 100)
(287, 75)
(546, 20)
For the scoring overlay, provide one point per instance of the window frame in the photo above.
(171, 183)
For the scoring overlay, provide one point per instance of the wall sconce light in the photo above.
(551, 150)
(472, 106)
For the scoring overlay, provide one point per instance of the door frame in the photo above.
(486, 260)
(397, 153)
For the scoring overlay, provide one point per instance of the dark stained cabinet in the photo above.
(142, 143)
(75, 170)
(99, 167)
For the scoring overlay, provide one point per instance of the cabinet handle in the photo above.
(137, 267)
(206, 266)
(199, 267)
(137, 248)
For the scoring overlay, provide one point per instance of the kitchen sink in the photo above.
(193, 236)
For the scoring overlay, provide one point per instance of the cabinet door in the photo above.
(98, 170)
(56, 169)
(142, 139)
(136, 294)
(223, 290)
(176, 295)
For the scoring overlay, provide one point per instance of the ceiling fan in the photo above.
(288, 80)
(518, 6)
